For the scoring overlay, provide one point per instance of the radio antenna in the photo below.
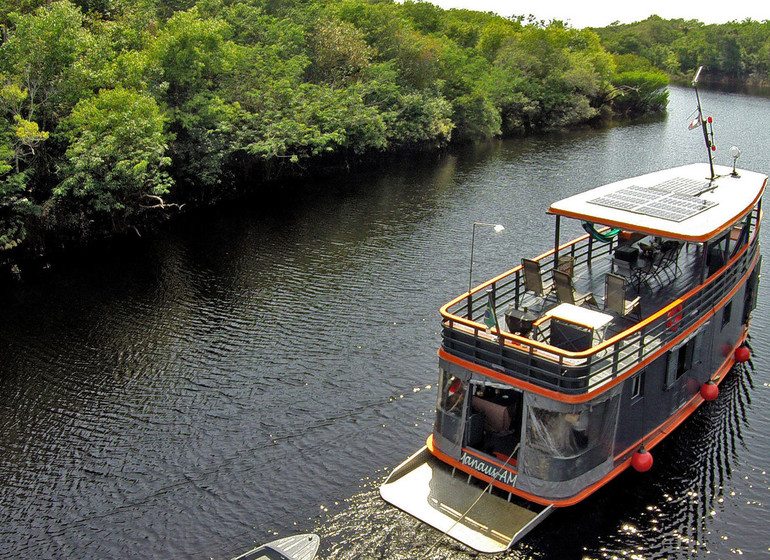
(708, 131)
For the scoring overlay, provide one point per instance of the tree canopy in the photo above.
(736, 51)
(115, 112)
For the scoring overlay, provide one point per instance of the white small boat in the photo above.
(296, 547)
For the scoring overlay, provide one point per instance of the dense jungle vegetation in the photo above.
(115, 113)
(735, 51)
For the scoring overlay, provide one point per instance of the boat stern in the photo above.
(431, 491)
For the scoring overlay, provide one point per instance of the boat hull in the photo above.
(295, 547)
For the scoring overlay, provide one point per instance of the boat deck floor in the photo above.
(656, 289)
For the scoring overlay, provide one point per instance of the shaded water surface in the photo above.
(259, 370)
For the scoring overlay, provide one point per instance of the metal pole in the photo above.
(498, 229)
(470, 275)
(556, 243)
(703, 122)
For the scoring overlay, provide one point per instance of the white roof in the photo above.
(679, 203)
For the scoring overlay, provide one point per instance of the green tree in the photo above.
(25, 134)
(115, 162)
(19, 137)
(339, 51)
(16, 208)
(191, 53)
(640, 92)
(47, 55)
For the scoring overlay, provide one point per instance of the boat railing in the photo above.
(510, 289)
(540, 363)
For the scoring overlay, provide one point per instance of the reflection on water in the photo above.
(258, 371)
(687, 494)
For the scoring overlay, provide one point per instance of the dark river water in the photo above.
(259, 370)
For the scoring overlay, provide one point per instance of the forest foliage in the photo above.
(734, 51)
(115, 113)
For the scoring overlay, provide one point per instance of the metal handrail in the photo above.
(546, 365)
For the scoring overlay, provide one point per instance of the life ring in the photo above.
(673, 317)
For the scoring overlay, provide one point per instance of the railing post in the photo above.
(615, 358)
(556, 242)
(517, 283)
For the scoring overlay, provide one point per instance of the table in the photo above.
(580, 316)
(596, 321)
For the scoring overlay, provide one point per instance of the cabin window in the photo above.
(452, 394)
(740, 234)
(679, 361)
(750, 298)
(566, 434)
(560, 434)
(563, 444)
(637, 386)
(726, 311)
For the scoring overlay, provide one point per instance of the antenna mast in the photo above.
(708, 132)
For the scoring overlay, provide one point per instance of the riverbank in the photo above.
(249, 188)
(115, 119)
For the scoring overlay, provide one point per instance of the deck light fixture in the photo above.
(498, 228)
(736, 153)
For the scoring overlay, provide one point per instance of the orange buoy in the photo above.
(742, 354)
(709, 391)
(642, 460)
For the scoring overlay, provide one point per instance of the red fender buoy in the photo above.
(742, 354)
(642, 460)
(709, 391)
(673, 317)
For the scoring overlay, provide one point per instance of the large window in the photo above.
(726, 313)
(562, 445)
(716, 257)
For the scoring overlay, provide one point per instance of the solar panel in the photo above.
(682, 185)
(671, 200)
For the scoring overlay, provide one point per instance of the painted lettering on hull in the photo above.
(493, 471)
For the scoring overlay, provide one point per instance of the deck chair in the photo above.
(650, 270)
(533, 278)
(567, 294)
(669, 260)
(615, 297)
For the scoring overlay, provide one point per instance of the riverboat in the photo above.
(561, 373)
(294, 547)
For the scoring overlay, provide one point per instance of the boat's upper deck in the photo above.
(681, 203)
(580, 317)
